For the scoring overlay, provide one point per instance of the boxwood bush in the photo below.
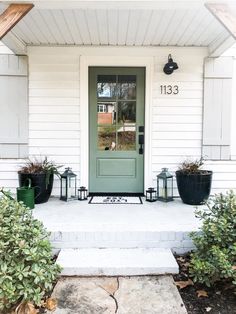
(215, 255)
(27, 271)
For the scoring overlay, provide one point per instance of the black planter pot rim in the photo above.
(200, 172)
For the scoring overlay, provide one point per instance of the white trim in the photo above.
(113, 4)
(223, 47)
(14, 43)
(85, 62)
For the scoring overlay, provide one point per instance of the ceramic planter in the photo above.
(194, 188)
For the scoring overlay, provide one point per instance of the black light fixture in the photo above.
(170, 66)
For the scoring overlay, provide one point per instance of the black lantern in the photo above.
(151, 195)
(165, 186)
(68, 185)
(170, 66)
(82, 193)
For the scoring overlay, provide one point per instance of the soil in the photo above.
(220, 299)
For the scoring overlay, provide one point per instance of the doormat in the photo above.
(115, 200)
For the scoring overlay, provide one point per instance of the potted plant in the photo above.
(194, 184)
(41, 173)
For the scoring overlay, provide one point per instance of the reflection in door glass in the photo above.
(116, 119)
(106, 138)
(106, 86)
(127, 86)
(126, 112)
(106, 113)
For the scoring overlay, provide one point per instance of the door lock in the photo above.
(141, 143)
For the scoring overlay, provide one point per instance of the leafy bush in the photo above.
(27, 271)
(215, 255)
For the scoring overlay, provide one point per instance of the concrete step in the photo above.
(121, 237)
(117, 262)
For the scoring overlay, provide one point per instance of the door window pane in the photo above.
(106, 86)
(106, 138)
(116, 119)
(126, 138)
(127, 86)
(126, 112)
(106, 113)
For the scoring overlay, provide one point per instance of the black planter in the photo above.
(42, 192)
(194, 189)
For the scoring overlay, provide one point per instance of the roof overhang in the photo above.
(190, 23)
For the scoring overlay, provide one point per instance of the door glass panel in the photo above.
(126, 125)
(126, 112)
(106, 113)
(116, 119)
(126, 138)
(106, 138)
(106, 86)
(127, 86)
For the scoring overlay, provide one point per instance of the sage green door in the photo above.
(116, 130)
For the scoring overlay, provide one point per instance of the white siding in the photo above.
(54, 110)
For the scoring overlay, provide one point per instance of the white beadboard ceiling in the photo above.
(120, 26)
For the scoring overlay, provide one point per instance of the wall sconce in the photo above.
(170, 66)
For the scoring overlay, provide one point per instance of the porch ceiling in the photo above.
(119, 23)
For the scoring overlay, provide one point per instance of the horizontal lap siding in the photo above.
(177, 119)
(177, 122)
(54, 128)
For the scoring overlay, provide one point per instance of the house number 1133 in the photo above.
(169, 89)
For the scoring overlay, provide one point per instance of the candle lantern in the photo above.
(82, 193)
(151, 195)
(165, 186)
(68, 185)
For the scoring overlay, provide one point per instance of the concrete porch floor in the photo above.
(78, 224)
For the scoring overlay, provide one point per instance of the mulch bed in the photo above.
(219, 299)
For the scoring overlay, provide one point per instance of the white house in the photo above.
(185, 114)
(72, 57)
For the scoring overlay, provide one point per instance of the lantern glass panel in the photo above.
(162, 191)
(169, 187)
(71, 187)
(63, 188)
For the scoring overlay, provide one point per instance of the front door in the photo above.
(116, 128)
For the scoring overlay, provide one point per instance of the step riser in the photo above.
(118, 272)
(117, 262)
(177, 241)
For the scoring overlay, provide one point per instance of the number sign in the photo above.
(169, 89)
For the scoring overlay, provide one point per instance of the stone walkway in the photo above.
(118, 295)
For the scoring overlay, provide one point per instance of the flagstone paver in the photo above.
(118, 295)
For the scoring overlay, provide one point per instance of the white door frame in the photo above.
(114, 61)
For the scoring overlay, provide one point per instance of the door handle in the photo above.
(141, 143)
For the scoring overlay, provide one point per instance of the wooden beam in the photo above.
(12, 15)
(224, 15)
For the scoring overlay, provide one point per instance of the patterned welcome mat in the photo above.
(115, 200)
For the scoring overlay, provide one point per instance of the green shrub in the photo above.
(27, 271)
(215, 255)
